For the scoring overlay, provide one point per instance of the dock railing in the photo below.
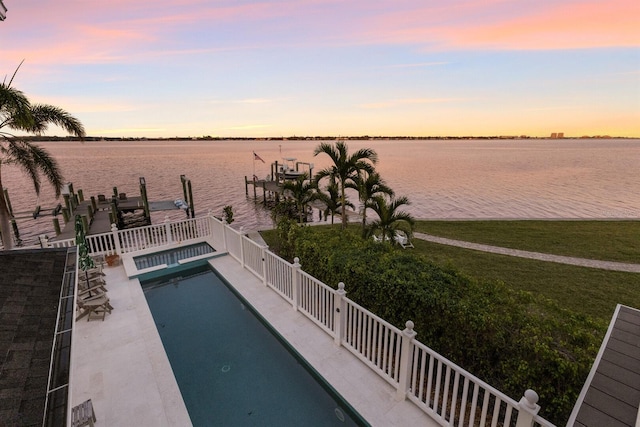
(443, 390)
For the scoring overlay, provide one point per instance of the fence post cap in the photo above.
(341, 286)
(529, 401)
(409, 329)
(114, 227)
(410, 325)
(296, 262)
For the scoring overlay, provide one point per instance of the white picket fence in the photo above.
(443, 390)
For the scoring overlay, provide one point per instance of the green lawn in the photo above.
(603, 240)
(589, 291)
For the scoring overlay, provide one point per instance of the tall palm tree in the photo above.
(345, 167)
(17, 113)
(369, 185)
(331, 199)
(303, 192)
(390, 218)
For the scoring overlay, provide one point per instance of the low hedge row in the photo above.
(511, 339)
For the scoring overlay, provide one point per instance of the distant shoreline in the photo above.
(318, 138)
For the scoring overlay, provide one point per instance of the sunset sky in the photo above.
(330, 67)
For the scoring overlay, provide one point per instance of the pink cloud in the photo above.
(124, 30)
(581, 25)
(508, 25)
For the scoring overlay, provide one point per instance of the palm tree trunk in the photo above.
(343, 200)
(5, 225)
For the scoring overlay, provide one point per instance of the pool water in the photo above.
(172, 256)
(231, 368)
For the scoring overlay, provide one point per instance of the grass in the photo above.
(588, 291)
(603, 240)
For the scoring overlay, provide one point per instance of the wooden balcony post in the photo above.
(527, 409)
(406, 358)
(338, 316)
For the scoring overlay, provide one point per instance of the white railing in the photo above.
(101, 244)
(374, 341)
(443, 390)
(233, 240)
(253, 256)
(140, 238)
(316, 300)
(453, 396)
(279, 275)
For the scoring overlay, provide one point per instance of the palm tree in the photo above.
(17, 113)
(390, 219)
(345, 167)
(331, 199)
(303, 192)
(369, 185)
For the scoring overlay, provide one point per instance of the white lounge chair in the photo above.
(402, 239)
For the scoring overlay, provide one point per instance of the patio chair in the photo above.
(99, 261)
(93, 306)
(402, 239)
(89, 281)
(83, 415)
(91, 288)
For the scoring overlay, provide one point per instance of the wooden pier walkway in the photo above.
(127, 211)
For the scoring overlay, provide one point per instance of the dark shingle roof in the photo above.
(611, 395)
(30, 283)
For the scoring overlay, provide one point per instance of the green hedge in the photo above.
(511, 339)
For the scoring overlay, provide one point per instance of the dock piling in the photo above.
(56, 226)
(191, 207)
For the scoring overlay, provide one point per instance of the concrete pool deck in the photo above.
(121, 365)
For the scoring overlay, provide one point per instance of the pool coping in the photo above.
(132, 270)
(121, 364)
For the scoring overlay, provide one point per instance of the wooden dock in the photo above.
(100, 212)
(269, 188)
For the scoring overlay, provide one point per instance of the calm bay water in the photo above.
(443, 179)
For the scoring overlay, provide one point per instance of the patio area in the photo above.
(120, 363)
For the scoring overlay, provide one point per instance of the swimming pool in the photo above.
(232, 369)
(172, 256)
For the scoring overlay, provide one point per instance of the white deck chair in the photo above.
(402, 239)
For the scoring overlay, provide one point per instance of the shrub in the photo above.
(511, 339)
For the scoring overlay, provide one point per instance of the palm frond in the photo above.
(15, 109)
(19, 152)
(45, 114)
(48, 165)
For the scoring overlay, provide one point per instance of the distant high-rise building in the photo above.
(560, 135)
(3, 11)
(554, 135)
